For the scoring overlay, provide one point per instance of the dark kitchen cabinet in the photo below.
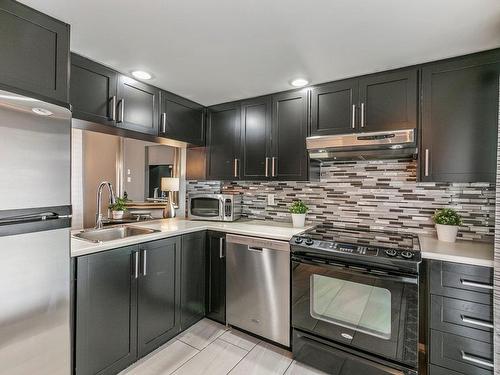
(181, 119)
(106, 312)
(223, 142)
(256, 138)
(216, 277)
(378, 102)
(137, 106)
(35, 53)
(158, 293)
(192, 278)
(93, 91)
(289, 159)
(333, 107)
(460, 119)
(388, 101)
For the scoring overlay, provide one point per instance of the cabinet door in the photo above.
(92, 91)
(192, 278)
(289, 131)
(35, 52)
(137, 106)
(333, 107)
(106, 312)
(216, 276)
(255, 138)
(388, 101)
(223, 141)
(460, 119)
(159, 293)
(181, 119)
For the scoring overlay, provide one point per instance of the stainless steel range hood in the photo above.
(363, 146)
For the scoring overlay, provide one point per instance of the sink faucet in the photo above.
(112, 200)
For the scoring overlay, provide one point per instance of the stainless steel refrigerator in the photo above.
(35, 220)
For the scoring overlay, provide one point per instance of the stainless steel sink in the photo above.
(112, 233)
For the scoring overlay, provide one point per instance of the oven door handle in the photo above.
(360, 271)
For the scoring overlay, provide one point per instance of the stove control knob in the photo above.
(309, 241)
(391, 253)
(407, 254)
(298, 240)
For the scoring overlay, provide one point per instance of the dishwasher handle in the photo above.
(256, 244)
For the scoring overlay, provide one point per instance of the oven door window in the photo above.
(360, 307)
(205, 207)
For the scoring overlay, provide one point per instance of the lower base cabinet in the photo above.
(131, 300)
(216, 276)
(192, 278)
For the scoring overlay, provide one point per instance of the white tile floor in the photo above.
(211, 348)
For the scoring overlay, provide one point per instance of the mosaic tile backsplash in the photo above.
(381, 195)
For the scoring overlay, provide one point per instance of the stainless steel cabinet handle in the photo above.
(112, 108)
(163, 122)
(221, 247)
(235, 167)
(136, 264)
(477, 322)
(144, 262)
(353, 121)
(254, 248)
(362, 115)
(426, 165)
(476, 285)
(476, 360)
(121, 114)
(267, 167)
(273, 167)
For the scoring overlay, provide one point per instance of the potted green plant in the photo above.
(118, 208)
(298, 210)
(447, 221)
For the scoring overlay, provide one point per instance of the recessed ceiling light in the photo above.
(42, 111)
(140, 74)
(299, 82)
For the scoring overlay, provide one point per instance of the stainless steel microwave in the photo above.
(214, 207)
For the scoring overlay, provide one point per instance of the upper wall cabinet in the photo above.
(181, 119)
(460, 119)
(289, 159)
(92, 91)
(378, 102)
(34, 52)
(137, 106)
(223, 141)
(256, 138)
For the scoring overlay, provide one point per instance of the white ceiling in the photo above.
(213, 51)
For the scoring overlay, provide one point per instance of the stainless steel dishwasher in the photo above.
(258, 286)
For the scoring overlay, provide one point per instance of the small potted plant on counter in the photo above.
(118, 208)
(447, 221)
(298, 210)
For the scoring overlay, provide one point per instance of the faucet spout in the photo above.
(112, 200)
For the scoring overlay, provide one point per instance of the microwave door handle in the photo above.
(222, 213)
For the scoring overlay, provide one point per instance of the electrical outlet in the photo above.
(129, 179)
(270, 200)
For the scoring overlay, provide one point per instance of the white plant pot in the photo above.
(447, 233)
(298, 220)
(117, 215)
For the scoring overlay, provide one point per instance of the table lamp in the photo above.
(170, 184)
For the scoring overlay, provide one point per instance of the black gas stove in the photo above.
(392, 250)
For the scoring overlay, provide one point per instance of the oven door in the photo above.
(367, 310)
(208, 207)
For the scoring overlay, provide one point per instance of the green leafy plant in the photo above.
(298, 207)
(119, 204)
(447, 216)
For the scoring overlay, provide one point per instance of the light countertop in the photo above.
(178, 226)
(467, 252)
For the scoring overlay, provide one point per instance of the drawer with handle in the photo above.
(465, 282)
(464, 318)
(461, 354)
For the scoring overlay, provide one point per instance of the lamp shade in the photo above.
(169, 184)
